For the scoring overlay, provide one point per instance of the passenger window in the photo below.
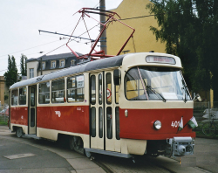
(22, 96)
(14, 97)
(93, 90)
(93, 122)
(109, 88)
(100, 122)
(58, 94)
(75, 89)
(109, 123)
(100, 89)
(116, 93)
(117, 119)
(44, 93)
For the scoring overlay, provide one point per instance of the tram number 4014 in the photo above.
(175, 124)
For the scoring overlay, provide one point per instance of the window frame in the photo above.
(53, 66)
(43, 65)
(19, 96)
(45, 92)
(60, 63)
(57, 90)
(31, 72)
(75, 88)
(12, 100)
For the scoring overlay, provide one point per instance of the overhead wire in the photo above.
(29, 48)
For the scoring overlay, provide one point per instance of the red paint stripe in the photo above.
(139, 123)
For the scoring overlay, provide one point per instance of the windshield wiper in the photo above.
(155, 92)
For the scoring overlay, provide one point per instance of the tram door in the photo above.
(32, 109)
(104, 112)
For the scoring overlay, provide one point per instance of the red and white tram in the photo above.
(122, 106)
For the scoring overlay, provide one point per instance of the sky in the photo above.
(20, 21)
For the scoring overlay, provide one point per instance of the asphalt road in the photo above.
(33, 156)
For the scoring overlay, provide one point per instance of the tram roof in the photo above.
(93, 65)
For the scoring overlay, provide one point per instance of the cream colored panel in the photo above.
(131, 146)
(53, 135)
(25, 128)
(124, 104)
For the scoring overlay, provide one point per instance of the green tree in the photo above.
(11, 74)
(23, 65)
(189, 29)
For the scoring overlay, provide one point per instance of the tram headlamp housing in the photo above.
(157, 125)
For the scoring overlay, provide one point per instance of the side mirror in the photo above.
(197, 97)
(117, 77)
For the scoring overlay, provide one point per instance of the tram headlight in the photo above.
(157, 125)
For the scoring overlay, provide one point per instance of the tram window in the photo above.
(100, 122)
(93, 122)
(116, 93)
(58, 92)
(44, 93)
(100, 89)
(109, 123)
(93, 90)
(75, 88)
(22, 96)
(109, 88)
(117, 119)
(14, 97)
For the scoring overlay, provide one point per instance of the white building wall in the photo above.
(34, 65)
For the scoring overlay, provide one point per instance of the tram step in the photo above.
(31, 136)
(110, 153)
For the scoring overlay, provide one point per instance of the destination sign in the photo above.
(160, 59)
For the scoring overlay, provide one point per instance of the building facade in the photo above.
(2, 90)
(48, 64)
(134, 14)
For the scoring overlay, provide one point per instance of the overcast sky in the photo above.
(20, 21)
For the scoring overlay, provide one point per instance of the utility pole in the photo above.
(103, 39)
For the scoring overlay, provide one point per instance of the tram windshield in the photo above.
(155, 83)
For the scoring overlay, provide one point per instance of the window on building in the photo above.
(58, 88)
(14, 97)
(53, 64)
(44, 93)
(75, 88)
(31, 72)
(73, 62)
(43, 65)
(22, 96)
(62, 63)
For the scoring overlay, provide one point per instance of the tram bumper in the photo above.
(179, 146)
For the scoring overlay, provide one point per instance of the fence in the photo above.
(206, 115)
(4, 115)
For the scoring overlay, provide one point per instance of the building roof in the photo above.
(68, 57)
(53, 57)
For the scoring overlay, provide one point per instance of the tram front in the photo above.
(156, 105)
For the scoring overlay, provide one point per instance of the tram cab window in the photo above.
(155, 83)
(58, 91)
(44, 93)
(22, 96)
(75, 88)
(14, 97)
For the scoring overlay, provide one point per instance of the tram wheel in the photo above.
(19, 132)
(71, 143)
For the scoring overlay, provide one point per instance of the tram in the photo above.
(123, 106)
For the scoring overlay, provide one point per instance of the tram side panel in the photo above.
(19, 118)
(73, 119)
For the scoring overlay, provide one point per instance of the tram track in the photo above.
(108, 163)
